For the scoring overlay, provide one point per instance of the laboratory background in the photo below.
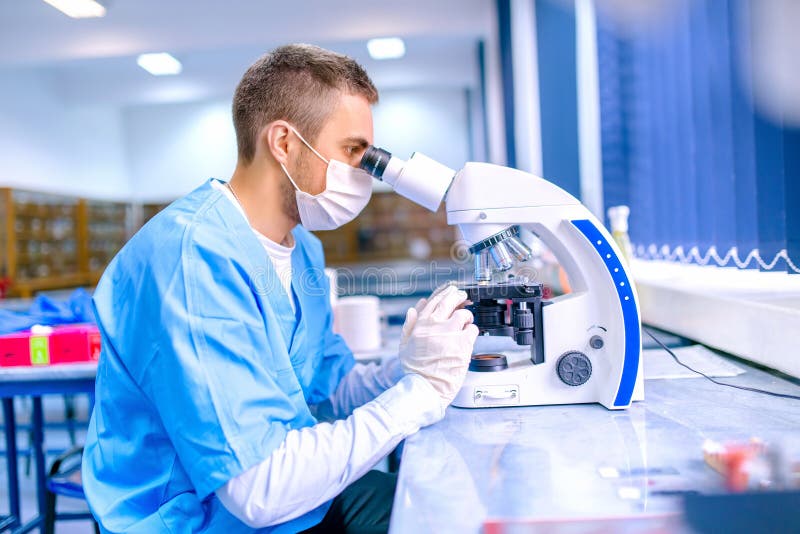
(644, 172)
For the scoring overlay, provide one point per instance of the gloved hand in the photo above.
(413, 313)
(437, 341)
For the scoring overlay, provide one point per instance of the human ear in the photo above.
(275, 138)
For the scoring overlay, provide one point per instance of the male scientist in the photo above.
(218, 358)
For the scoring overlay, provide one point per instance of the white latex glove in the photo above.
(413, 313)
(438, 342)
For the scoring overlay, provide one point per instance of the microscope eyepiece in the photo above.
(375, 160)
(420, 179)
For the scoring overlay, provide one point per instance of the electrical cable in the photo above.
(745, 388)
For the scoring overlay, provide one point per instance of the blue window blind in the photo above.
(709, 179)
(507, 69)
(558, 104)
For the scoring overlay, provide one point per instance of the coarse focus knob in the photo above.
(523, 319)
(574, 368)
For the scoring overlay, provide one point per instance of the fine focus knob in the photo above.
(524, 337)
(574, 368)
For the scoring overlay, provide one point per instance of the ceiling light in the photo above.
(386, 48)
(159, 64)
(79, 9)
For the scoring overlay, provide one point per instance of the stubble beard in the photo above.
(298, 169)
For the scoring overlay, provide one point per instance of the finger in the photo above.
(461, 318)
(442, 287)
(434, 301)
(411, 320)
(448, 305)
(420, 305)
(465, 304)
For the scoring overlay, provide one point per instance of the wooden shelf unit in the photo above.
(151, 210)
(55, 241)
(52, 242)
(106, 233)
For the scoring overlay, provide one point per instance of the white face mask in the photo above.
(347, 191)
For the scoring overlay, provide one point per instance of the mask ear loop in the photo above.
(308, 145)
(289, 176)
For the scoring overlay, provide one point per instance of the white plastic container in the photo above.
(358, 321)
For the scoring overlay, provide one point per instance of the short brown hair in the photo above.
(297, 83)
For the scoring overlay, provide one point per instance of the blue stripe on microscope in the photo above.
(630, 313)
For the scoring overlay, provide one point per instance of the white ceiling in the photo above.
(93, 60)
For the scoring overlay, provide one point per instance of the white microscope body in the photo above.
(589, 339)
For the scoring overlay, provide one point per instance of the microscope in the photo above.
(581, 347)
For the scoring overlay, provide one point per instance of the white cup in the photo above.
(330, 274)
(358, 321)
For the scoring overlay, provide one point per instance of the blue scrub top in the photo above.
(204, 367)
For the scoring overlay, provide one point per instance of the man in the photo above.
(218, 355)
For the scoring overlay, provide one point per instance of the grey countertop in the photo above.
(551, 463)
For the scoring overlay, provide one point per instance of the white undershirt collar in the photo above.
(280, 255)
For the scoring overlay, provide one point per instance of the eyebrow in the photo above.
(359, 141)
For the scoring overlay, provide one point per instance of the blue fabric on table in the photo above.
(49, 312)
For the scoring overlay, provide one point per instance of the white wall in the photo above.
(157, 152)
(495, 118)
(431, 121)
(589, 143)
(46, 146)
(527, 124)
(173, 148)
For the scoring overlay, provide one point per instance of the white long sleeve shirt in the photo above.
(315, 464)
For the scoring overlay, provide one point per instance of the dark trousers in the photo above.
(364, 507)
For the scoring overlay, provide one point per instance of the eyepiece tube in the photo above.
(375, 160)
(419, 179)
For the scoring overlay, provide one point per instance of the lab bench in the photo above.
(542, 466)
(35, 382)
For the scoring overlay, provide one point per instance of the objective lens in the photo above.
(501, 256)
(483, 272)
(519, 249)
